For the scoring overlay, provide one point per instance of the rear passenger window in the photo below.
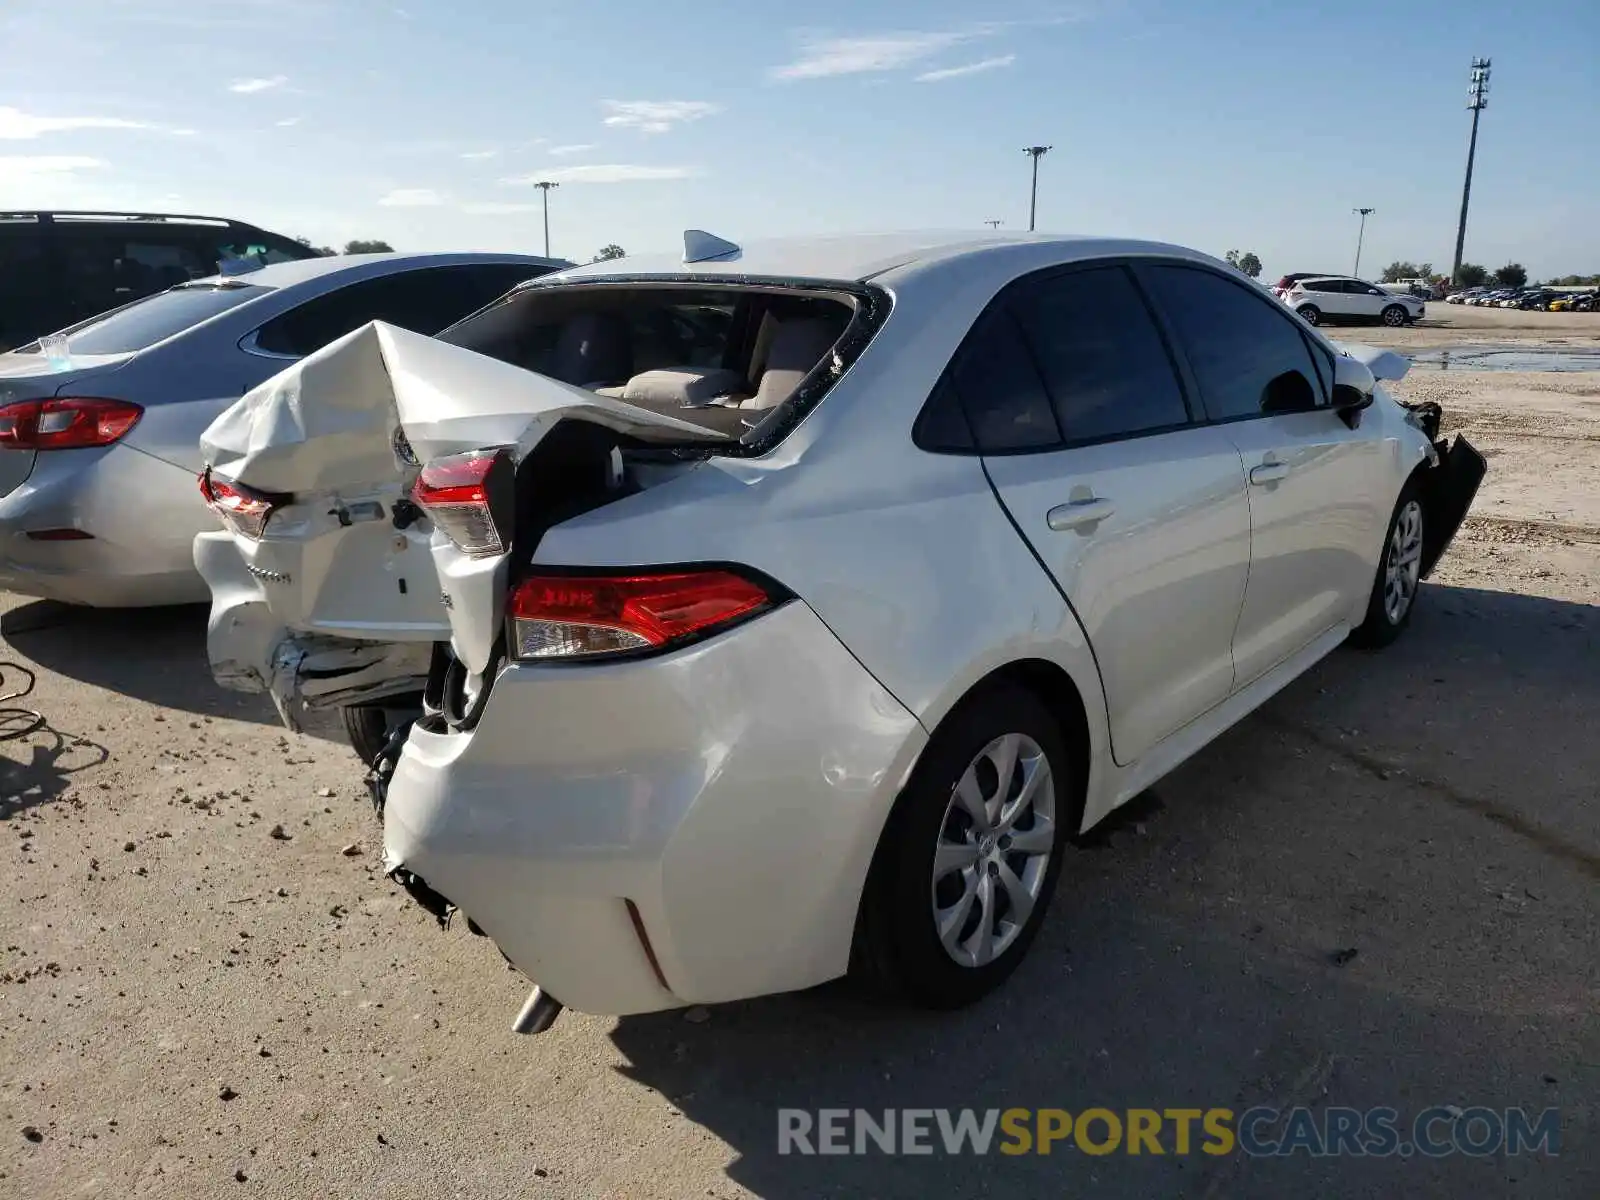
(1001, 392)
(1105, 368)
(425, 301)
(1246, 353)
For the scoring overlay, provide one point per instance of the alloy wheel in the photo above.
(994, 849)
(1402, 565)
(1393, 317)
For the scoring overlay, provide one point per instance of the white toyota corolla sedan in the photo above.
(783, 611)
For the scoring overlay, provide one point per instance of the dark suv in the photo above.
(56, 268)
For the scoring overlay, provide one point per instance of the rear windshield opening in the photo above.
(143, 323)
(728, 358)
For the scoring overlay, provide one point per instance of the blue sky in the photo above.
(1248, 124)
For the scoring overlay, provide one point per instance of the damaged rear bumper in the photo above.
(252, 650)
(1448, 490)
(690, 828)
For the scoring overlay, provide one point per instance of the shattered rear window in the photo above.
(730, 357)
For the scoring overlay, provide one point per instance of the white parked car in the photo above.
(1344, 299)
(783, 611)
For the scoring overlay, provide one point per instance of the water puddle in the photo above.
(1492, 358)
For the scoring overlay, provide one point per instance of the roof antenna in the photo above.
(700, 246)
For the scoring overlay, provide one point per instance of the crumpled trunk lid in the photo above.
(339, 438)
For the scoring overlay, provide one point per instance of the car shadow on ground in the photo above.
(1379, 890)
(153, 654)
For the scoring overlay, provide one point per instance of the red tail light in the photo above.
(469, 498)
(65, 423)
(242, 510)
(586, 616)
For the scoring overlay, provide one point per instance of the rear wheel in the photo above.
(969, 858)
(367, 727)
(1394, 316)
(1394, 590)
(1310, 314)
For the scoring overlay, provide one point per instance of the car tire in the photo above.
(920, 870)
(1394, 316)
(1399, 576)
(1310, 314)
(367, 727)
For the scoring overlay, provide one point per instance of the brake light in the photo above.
(65, 423)
(243, 511)
(469, 498)
(587, 616)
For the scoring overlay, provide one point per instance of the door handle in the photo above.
(1077, 513)
(1268, 472)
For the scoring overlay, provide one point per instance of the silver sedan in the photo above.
(100, 425)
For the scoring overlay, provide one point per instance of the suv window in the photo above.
(1104, 365)
(424, 301)
(1323, 285)
(1247, 355)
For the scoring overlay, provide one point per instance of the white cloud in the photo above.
(288, 122)
(480, 155)
(609, 173)
(826, 57)
(412, 198)
(496, 208)
(656, 116)
(987, 64)
(16, 125)
(23, 168)
(560, 151)
(249, 87)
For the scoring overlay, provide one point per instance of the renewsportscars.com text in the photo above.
(1258, 1132)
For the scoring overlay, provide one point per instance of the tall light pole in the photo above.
(1477, 101)
(1035, 153)
(1360, 236)
(544, 185)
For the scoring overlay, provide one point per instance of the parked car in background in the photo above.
(98, 451)
(809, 649)
(1288, 281)
(57, 268)
(1340, 298)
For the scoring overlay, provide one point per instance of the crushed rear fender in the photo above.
(342, 598)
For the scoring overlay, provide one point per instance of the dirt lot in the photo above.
(1379, 890)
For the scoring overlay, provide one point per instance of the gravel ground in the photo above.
(1380, 889)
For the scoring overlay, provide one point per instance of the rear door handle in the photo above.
(1268, 472)
(1078, 513)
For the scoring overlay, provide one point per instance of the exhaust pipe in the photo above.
(538, 1014)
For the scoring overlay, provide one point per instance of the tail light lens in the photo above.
(65, 423)
(556, 617)
(242, 510)
(470, 499)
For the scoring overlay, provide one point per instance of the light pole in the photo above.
(544, 185)
(1360, 235)
(1477, 101)
(1035, 153)
(994, 223)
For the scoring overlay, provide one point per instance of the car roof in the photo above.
(288, 274)
(856, 258)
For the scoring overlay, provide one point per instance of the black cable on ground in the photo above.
(16, 722)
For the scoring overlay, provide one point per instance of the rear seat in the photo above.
(722, 399)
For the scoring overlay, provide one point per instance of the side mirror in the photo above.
(1353, 385)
